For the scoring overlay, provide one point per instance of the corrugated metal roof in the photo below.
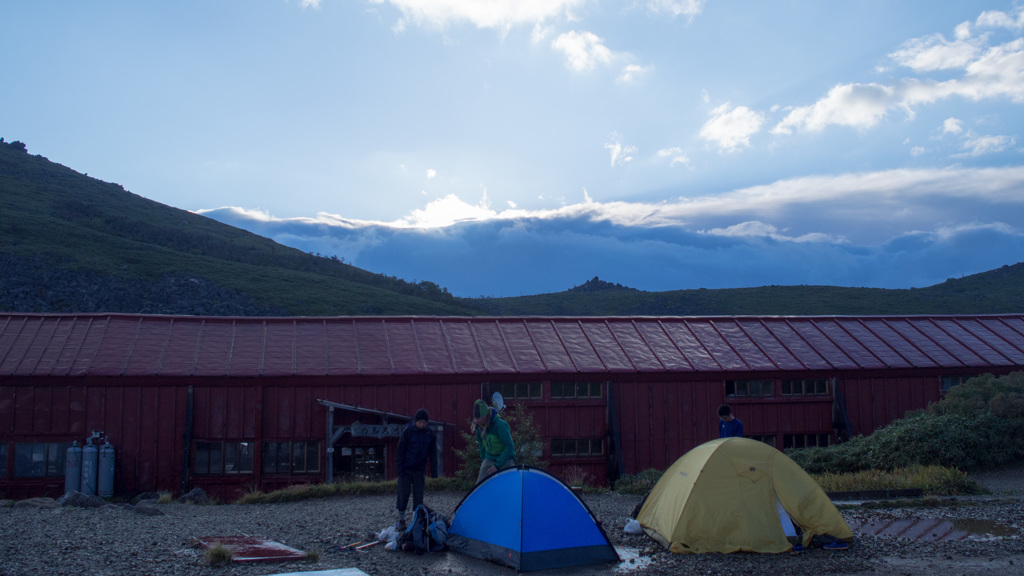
(139, 345)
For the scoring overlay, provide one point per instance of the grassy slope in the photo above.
(51, 212)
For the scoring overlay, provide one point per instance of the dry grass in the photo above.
(217, 555)
(932, 480)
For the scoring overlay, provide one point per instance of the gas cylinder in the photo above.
(73, 468)
(106, 470)
(90, 459)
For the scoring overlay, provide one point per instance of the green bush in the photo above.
(529, 447)
(638, 484)
(979, 424)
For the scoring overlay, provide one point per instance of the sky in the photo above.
(511, 147)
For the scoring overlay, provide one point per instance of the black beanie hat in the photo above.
(421, 414)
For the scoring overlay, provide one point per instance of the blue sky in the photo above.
(511, 147)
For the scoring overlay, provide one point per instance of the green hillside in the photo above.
(996, 291)
(70, 243)
(57, 222)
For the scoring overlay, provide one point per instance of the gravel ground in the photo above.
(39, 537)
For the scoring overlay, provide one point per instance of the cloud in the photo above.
(895, 228)
(997, 19)
(675, 156)
(497, 14)
(987, 72)
(952, 126)
(633, 73)
(583, 50)
(431, 173)
(854, 105)
(689, 8)
(978, 145)
(935, 53)
(730, 128)
(620, 154)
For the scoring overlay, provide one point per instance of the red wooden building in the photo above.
(229, 404)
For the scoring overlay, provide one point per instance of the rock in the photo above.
(145, 496)
(79, 500)
(196, 496)
(36, 503)
(147, 509)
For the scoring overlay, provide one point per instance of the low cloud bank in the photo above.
(897, 229)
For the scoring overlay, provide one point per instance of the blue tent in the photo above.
(527, 519)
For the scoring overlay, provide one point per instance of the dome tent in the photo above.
(737, 494)
(527, 519)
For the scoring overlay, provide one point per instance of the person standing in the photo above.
(728, 425)
(416, 447)
(494, 438)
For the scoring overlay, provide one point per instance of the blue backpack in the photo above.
(428, 531)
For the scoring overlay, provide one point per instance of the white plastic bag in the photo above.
(633, 527)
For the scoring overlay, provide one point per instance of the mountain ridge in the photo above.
(71, 243)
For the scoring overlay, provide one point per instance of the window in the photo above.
(518, 390)
(359, 463)
(38, 459)
(576, 389)
(768, 439)
(223, 457)
(569, 447)
(743, 388)
(807, 387)
(950, 381)
(804, 440)
(291, 457)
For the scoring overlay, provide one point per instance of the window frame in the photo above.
(584, 390)
(531, 391)
(762, 384)
(53, 462)
(571, 447)
(277, 465)
(202, 462)
(807, 387)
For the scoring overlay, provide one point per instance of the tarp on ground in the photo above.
(737, 494)
(527, 519)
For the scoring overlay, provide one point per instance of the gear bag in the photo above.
(428, 531)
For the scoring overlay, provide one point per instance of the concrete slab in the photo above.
(338, 572)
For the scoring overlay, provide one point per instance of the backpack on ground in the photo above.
(428, 531)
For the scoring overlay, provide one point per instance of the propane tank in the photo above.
(90, 459)
(73, 468)
(106, 470)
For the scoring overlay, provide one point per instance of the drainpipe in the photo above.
(186, 453)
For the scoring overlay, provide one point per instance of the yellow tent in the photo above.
(736, 494)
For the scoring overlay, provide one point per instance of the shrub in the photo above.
(638, 484)
(529, 447)
(980, 424)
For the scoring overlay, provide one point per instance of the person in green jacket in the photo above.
(494, 438)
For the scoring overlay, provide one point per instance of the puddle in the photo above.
(985, 528)
(631, 559)
(933, 530)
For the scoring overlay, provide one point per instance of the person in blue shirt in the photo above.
(416, 447)
(728, 425)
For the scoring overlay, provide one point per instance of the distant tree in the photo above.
(17, 145)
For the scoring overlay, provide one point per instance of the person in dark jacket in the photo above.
(416, 447)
